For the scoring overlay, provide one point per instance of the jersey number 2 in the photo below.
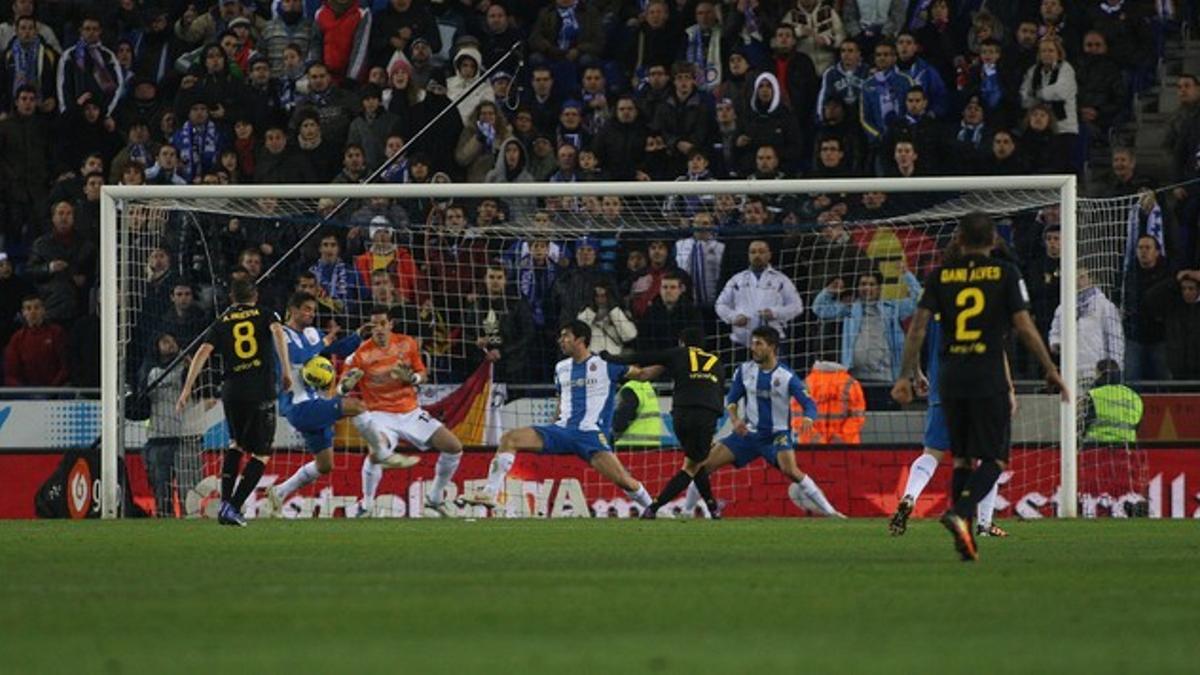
(973, 301)
(245, 345)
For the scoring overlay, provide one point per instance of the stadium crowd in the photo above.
(319, 91)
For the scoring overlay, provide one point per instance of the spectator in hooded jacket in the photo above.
(466, 71)
(770, 121)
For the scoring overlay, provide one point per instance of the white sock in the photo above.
(304, 475)
(640, 496)
(983, 510)
(919, 474)
(814, 493)
(447, 464)
(501, 463)
(691, 499)
(372, 474)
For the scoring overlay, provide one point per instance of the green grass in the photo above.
(746, 596)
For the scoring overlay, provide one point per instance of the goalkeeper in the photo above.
(304, 406)
(696, 406)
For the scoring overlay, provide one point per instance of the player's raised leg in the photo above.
(608, 465)
(805, 493)
(319, 439)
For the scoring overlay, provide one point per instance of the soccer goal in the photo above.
(484, 274)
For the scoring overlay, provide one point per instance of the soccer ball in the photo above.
(318, 372)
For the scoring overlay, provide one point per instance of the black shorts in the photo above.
(251, 425)
(694, 428)
(980, 428)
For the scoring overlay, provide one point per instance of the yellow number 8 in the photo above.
(974, 298)
(244, 343)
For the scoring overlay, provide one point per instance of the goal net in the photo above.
(483, 276)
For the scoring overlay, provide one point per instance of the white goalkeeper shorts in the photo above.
(415, 427)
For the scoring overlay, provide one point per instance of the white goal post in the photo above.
(110, 271)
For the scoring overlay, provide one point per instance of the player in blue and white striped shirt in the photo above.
(764, 430)
(311, 412)
(587, 386)
(937, 444)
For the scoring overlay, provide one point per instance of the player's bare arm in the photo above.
(1033, 342)
(202, 355)
(739, 424)
(910, 362)
(281, 353)
(644, 373)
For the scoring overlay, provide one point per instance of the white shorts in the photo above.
(415, 427)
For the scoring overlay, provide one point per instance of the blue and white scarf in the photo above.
(534, 284)
(138, 152)
(751, 30)
(198, 148)
(989, 86)
(397, 172)
(706, 57)
(487, 133)
(568, 28)
(26, 64)
(100, 73)
(1153, 228)
(1083, 303)
(970, 133)
(920, 15)
(333, 278)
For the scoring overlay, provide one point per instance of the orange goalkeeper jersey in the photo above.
(380, 390)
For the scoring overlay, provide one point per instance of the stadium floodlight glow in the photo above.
(135, 219)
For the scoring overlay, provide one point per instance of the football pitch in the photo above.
(596, 596)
